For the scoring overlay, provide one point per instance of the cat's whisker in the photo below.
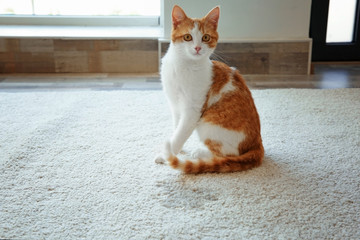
(218, 56)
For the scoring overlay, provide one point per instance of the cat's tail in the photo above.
(252, 158)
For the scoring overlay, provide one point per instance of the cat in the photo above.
(209, 97)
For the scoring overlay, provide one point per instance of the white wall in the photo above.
(253, 20)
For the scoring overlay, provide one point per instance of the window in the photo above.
(341, 21)
(78, 12)
(335, 30)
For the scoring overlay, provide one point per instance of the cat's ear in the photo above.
(213, 17)
(178, 15)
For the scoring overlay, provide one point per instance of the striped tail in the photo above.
(246, 161)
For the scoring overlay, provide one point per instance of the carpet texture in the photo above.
(79, 165)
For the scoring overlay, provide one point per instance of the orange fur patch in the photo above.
(207, 28)
(188, 167)
(201, 166)
(235, 110)
(216, 165)
(177, 34)
(174, 161)
(221, 76)
(214, 147)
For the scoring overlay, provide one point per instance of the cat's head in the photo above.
(195, 38)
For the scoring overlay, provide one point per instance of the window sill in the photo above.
(80, 32)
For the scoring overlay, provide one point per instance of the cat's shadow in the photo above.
(188, 191)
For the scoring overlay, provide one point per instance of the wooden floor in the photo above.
(324, 76)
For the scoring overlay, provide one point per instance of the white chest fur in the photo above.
(185, 82)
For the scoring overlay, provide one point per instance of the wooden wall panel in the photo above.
(128, 61)
(27, 62)
(27, 55)
(78, 56)
(29, 45)
(9, 45)
(71, 62)
(73, 45)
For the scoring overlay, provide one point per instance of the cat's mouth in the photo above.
(197, 54)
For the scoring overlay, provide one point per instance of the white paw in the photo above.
(165, 154)
(183, 152)
(160, 159)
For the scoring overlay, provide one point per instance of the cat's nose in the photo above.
(197, 48)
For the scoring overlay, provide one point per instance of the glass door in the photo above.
(335, 31)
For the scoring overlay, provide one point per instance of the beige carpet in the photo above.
(79, 165)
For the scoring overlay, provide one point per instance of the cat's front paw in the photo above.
(165, 154)
(160, 159)
(183, 152)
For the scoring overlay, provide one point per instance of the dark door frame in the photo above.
(323, 51)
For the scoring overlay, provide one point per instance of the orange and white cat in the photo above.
(209, 97)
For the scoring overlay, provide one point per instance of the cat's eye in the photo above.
(187, 37)
(206, 38)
